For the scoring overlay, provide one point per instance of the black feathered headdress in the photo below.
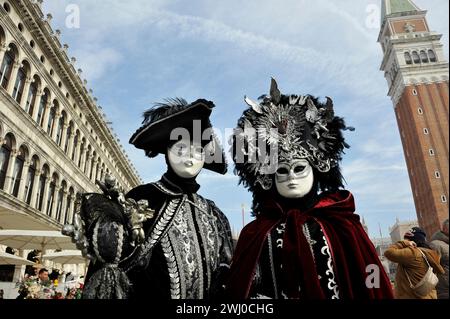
(154, 137)
(281, 128)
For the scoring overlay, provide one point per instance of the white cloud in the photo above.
(342, 65)
(353, 21)
(324, 45)
(369, 166)
(381, 150)
(379, 185)
(331, 66)
(350, 64)
(97, 61)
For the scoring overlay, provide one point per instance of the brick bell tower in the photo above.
(417, 74)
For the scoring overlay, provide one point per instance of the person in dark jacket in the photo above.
(439, 243)
(161, 240)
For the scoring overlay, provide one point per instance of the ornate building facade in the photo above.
(399, 229)
(417, 73)
(54, 139)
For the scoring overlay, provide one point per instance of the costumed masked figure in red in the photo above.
(306, 241)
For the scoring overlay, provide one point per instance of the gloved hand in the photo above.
(78, 235)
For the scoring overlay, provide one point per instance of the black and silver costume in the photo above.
(161, 240)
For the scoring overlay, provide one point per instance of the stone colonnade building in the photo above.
(54, 139)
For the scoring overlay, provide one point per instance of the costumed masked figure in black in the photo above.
(162, 240)
(306, 241)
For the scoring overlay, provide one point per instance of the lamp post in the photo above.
(243, 215)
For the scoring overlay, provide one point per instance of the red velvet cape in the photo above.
(350, 247)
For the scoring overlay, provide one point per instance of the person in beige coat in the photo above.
(412, 263)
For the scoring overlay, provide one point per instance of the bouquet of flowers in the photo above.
(75, 292)
(32, 288)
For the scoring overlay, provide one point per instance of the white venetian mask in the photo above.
(186, 158)
(294, 179)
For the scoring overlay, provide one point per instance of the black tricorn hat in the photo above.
(154, 137)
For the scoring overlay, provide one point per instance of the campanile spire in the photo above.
(416, 71)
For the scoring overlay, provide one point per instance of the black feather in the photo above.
(275, 93)
(162, 110)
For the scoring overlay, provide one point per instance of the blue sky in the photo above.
(134, 53)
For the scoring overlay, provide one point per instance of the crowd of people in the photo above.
(422, 271)
(43, 285)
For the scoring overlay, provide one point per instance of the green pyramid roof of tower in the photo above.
(397, 6)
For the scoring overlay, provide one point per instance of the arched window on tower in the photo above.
(5, 155)
(18, 169)
(408, 58)
(416, 57)
(424, 57)
(432, 56)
